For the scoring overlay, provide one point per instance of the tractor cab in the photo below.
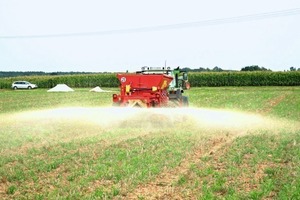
(180, 77)
(180, 80)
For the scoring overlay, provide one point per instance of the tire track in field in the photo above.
(212, 121)
(273, 102)
(163, 186)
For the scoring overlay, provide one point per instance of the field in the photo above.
(232, 143)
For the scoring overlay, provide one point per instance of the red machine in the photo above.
(149, 88)
(143, 90)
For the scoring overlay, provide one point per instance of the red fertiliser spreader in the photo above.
(147, 88)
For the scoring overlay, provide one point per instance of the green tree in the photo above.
(254, 68)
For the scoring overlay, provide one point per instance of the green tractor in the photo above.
(177, 87)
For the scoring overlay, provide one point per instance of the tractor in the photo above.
(152, 87)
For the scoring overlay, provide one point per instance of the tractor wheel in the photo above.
(185, 101)
(174, 103)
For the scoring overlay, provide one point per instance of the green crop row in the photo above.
(209, 79)
(213, 79)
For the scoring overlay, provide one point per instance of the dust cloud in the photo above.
(158, 118)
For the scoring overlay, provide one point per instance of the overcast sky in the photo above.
(126, 35)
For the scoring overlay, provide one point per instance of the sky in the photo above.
(118, 35)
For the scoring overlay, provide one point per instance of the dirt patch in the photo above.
(272, 103)
(3, 187)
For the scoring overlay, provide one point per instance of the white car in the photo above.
(23, 85)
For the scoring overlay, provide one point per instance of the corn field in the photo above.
(201, 79)
(213, 79)
(77, 81)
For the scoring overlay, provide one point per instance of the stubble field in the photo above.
(232, 143)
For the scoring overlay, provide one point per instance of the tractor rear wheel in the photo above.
(185, 101)
(173, 103)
